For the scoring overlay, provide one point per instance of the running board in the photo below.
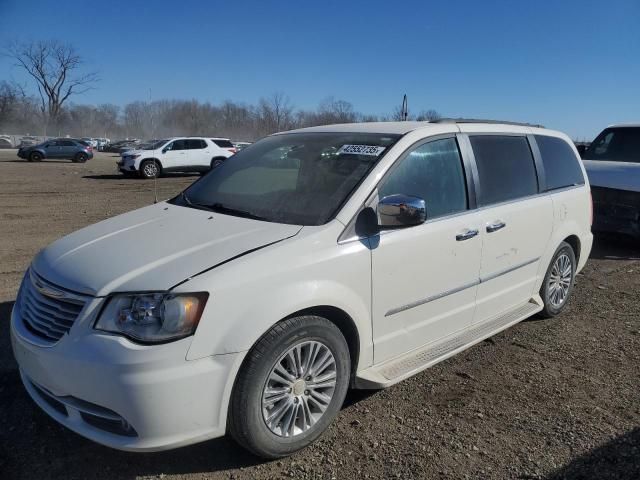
(397, 369)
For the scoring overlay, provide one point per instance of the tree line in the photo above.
(56, 71)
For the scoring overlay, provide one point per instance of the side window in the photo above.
(561, 168)
(195, 144)
(223, 143)
(433, 171)
(617, 144)
(179, 145)
(67, 143)
(505, 167)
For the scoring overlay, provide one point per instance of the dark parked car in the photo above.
(69, 148)
(612, 162)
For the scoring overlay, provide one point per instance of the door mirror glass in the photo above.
(398, 211)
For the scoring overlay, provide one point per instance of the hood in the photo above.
(618, 175)
(133, 151)
(153, 248)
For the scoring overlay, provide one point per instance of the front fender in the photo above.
(252, 293)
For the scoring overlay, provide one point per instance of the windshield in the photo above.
(295, 178)
(153, 144)
(616, 144)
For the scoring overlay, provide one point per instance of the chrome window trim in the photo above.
(446, 293)
(471, 177)
(349, 234)
(342, 239)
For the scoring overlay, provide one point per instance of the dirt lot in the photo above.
(546, 399)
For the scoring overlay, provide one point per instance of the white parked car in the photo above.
(93, 142)
(320, 259)
(612, 162)
(181, 154)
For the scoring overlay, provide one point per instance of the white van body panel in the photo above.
(413, 296)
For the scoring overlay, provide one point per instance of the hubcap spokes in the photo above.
(560, 280)
(299, 389)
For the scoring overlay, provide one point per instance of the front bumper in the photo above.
(126, 167)
(616, 211)
(123, 395)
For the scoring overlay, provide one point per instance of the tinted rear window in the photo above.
(195, 144)
(505, 167)
(561, 168)
(223, 143)
(617, 144)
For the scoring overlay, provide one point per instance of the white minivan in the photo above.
(180, 154)
(318, 260)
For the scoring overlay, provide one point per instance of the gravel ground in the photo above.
(545, 399)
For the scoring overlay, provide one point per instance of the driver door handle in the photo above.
(495, 226)
(466, 235)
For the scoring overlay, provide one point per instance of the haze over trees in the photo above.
(57, 74)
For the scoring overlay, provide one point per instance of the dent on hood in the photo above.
(153, 249)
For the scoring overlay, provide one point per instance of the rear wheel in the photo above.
(149, 169)
(291, 386)
(558, 282)
(216, 162)
(35, 157)
(80, 157)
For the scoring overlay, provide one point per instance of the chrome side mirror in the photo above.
(398, 211)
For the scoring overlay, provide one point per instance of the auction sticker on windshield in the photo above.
(371, 150)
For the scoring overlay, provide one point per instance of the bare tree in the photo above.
(428, 115)
(56, 69)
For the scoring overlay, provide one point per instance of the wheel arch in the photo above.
(574, 243)
(154, 159)
(345, 324)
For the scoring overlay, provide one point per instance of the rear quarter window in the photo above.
(506, 168)
(561, 167)
(223, 143)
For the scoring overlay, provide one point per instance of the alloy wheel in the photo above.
(560, 280)
(151, 169)
(299, 389)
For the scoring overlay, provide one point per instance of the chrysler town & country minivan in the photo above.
(318, 260)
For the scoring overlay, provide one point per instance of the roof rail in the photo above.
(479, 120)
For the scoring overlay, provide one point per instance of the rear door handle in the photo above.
(466, 235)
(495, 226)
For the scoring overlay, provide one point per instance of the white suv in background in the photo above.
(180, 154)
(328, 257)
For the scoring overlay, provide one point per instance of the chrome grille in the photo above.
(47, 311)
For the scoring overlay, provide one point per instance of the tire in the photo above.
(150, 169)
(35, 157)
(80, 157)
(216, 162)
(248, 415)
(555, 299)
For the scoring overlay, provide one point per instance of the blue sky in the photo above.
(571, 65)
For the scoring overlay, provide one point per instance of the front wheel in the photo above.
(149, 169)
(291, 386)
(558, 282)
(35, 157)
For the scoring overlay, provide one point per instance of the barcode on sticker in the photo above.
(371, 150)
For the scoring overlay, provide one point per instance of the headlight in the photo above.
(152, 317)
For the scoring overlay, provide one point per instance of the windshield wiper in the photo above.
(220, 208)
(191, 204)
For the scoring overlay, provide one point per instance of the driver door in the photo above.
(175, 155)
(53, 149)
(425, 277)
